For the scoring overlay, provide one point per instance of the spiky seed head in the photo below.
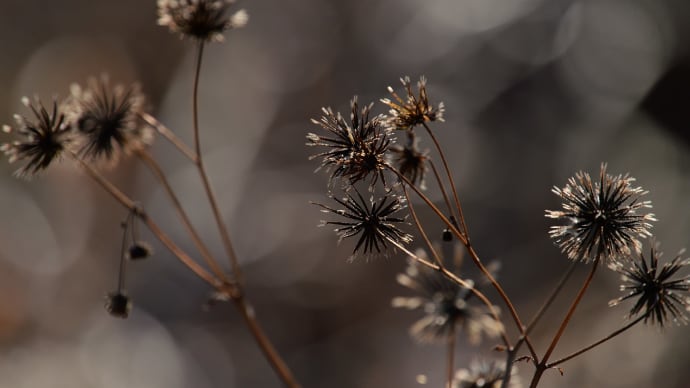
(413, 109)
(118, 304)
(374, 221)
(42, 139)
(108, 120)
(446, 306)
(354, 151)
(205, 20)
(604, 219)
(660, 295)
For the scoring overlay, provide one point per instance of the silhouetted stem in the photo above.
(170, 135)
(595, 344)
(164, 238)
(450, 180)
(473, 254)
(222, 228)
(445, 271)
(265, 344)
(203, 250)
(542, 366)
(551, 298)
(441, 186)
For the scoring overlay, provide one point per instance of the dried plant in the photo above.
(602, 221)
(372, 181)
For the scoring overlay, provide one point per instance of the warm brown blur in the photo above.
(534, 90)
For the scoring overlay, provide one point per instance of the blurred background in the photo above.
(535, 90)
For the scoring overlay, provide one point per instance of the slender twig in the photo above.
(445, 271)
(128, 203)
(450, 180)
(595, 344)
(421, 230)
(239, 299)
(441, 186)
(170, 135)
(123, 262)
(203, 249)
(557, 290)
(222, 228)
(475, 258)
(265, 344)
(542, 366)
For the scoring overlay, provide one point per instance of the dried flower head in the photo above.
(413, 110)
(374, 221)
(43, 138)
(660, 297)
(410, 161)
(602, 217)
(118, 304)
(205, 20)
(446, 307)
(139, 250)
(108, 119)
(353, 151)
(485, 374)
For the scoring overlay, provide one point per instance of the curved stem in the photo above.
(551, 298)
(475, 258)
(595, 344)
(265, 344)
(220, 223)
(170, 135)
(441, 186)
(123, 262)
(164, 238)
(450, 179)
(203, 249)
(421, 230)
(570, 312)
(561, 329)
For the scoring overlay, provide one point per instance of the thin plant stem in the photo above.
(451, 358)
(128, 203)
(421, 230)
(123, 264)
(222, 228)
(240, 301)
(145, 156)
(170, 135)
(475, 258)
(542, 366)
(595, 344)
(238, 298)
(438, 266)
(557, 290)
(441, 186)
(265, 344)
(450, 180)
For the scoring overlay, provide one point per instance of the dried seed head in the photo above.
(354, 151)
(413, 109)
(660, 297)
(42, 139)
(108, 120)
(374, 221)
(139, 250)
(410, 161)
(446, 307)
(205, 20)
(118, 304)
(602, 220)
